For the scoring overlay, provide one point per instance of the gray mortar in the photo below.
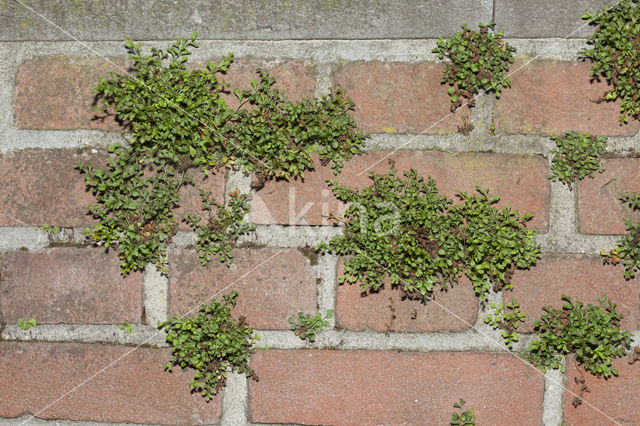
(326, 270)
(235, 401)
(34, 421)
(554, 388)
(155, 290)
(16, 238)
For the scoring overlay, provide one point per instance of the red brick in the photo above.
(608, 401)
(553, 97)
(520, 180)
(55, 92)
(272, 284)
(42, 186)
(399, 97)
(600, 210)
(379, 387)
(583, 278)
(190, 200)
(454, 310)
(69, 285)
(114, 384)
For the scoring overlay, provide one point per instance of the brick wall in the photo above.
(384, 360)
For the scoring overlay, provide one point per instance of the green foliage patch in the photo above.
(462, 418)
(627, 249)
(211, 344)
(404, 229)
(577, 156)
(592, 333)
(479, 60)
(306, 326)
(507, 319)
(26, 325)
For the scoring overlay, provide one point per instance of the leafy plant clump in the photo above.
(306, 326)
(506, 319)
(479, 60)
(614, 54)
(577, 156)
(211, 344)
(180, 121)
(627, 249)
(592, 333)
(404, 229)
(463, 418)
(26, 325)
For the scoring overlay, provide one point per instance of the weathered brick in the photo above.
(272, 284)
(99, 383)
(190, 199)
(600, 210)
(520, 180)
(608, 401)
(399, 97)
(583, 278)
(553, 97)
(68, 285)
(379, 387)
(384, 310)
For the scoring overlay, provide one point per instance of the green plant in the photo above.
(464, 418)
(178, 121)
(26, 325)
(211, 344)
(592, 333)
(508, 321)
(479, 60)
(402, 228)
(306, 326)
(614, 53)
(577, 156)
(51, 230)
(627, 249)
(126, 327)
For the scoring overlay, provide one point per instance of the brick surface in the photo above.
(454, 310)
(190, 200)
(272, 284)
(520, 180)
(399, 97)
(68, 285)
(599, 209)
(552, 97)
(116, 384)
(583, 278)
(368, 387)
(611, 401)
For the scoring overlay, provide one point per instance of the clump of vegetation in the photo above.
(26, 325)
(479, 61)
(463, 418)
(591, 333)
(506, 319)
(627, 249)
(179, 121)
(577, 156)
(306, 326)
(212, 344)
(614, 53)
(126, 327)
(404, 229)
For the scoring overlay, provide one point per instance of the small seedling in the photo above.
(306, 326)
(627, 249)
(126, 327)
(464, 418)
(51, 230)
(508, 321)
(577, 156)
(26, 325)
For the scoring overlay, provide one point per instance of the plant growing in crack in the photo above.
(306, 326)
(462, 418)
(507, 319)
(627, 249)
(577, 156)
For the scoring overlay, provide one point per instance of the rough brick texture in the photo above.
(553, 97)
(454, 310)
(600, 210)
(116, 384)
(399, 97)
(520, 180)
(608, 401)
(272, 284)
(369, 387)
(583, 278)
(68, 285)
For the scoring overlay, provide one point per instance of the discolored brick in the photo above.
(600, 210)
(399, 97)
(385, 310)
(99, 383)
(385, 387)
(520, 180)
(272, 284)
(68, 285)
(583, 278)
(552, 97)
